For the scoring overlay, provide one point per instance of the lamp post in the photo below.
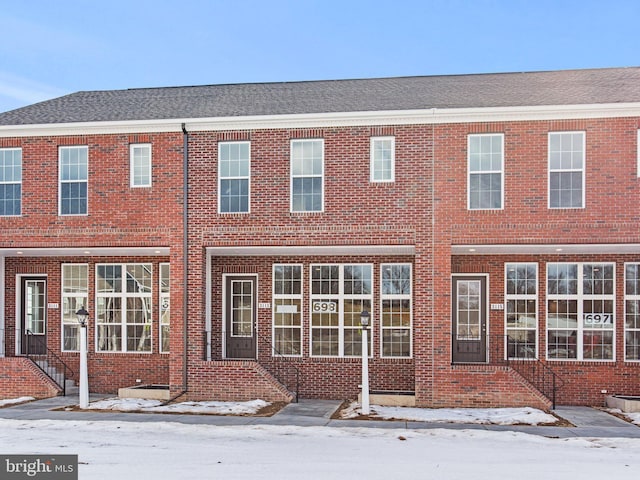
(364, 321)
(83, 386)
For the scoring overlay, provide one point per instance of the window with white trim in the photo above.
(287, 309)
(234, 167)
(521, 296)
(339, 294)
(123, 307)
(383, 159)
(580, 311)
(73, 178)
(10, 181)
(165, 307)
(396, 309)
(140, 164)
(485, 170)
(566, 169)
(307, 175)
(632, 311)
(75, 295)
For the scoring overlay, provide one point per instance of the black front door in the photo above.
(469, 319)
(240, 316)
(33, 315)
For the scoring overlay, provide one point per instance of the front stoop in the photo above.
(20, 377)
(234, 380)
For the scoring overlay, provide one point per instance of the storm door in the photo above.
(240, 316)
(33, 315)
(469, 319)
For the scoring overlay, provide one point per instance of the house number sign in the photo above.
(598, 318)
(324, 307)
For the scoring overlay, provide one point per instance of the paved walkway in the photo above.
(588, 422)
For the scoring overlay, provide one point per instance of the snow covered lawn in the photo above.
(133, 450)
(495, 416)
(213, 408)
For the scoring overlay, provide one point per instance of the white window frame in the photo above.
(340, 297)
(231, 177)
(61, 181)
(292, 176)
(123, 295)
(402, 296)
(485, 172)
(580, 296)
(374, 160)
(629, 297)
(13, 182)
(68, 316)
(164, 305)
(567, 170)
(638, 153)
(525, 297)
(287, 296)
(133, 165)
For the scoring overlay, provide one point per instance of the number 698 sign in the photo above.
(324, 307)
(598, 318)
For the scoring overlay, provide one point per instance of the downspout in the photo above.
(185, 250)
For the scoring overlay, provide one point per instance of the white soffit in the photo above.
(333, 119)
(85, 252)
(537, 249)
(312, 250)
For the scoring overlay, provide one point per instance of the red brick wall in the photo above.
(19, 377)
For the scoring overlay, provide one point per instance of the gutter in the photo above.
(185, 253)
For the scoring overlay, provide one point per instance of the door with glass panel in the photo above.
(469, 319)
(240, 316)
(33, 313)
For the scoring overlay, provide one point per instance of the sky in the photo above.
(53, 48)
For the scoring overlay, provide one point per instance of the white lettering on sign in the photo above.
(598, 318)
(324, 307)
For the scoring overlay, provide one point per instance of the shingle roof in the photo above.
(568, 87)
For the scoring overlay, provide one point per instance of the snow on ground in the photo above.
(494, 416)
(213, 408)
(163, 450)
(634, 417)
(13, 401)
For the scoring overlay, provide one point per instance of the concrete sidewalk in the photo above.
(588, 422)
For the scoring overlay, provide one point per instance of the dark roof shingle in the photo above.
(565, 87)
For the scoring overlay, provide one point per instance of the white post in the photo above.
(84, 375)
(365, 371)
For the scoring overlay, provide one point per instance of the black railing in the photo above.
(283, 368)
(51, 364)
(521, 357)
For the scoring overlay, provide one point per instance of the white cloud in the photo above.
(16, 91)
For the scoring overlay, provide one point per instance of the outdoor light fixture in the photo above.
(364, 321)
(83, 383)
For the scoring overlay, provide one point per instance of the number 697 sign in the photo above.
(598, 318)
(324, 307)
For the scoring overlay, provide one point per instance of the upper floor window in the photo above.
(382, 159)
(140, 157)
(234, 159)
(307, 175)
(10, 181)
(566, 169)
(73, 174)
(486, 179)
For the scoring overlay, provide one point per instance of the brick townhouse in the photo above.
(225, 239)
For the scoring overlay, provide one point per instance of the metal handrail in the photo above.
(279, 356)
(49, 355)
(530, 367)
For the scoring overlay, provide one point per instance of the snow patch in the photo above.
(156, 406)
(12, 401)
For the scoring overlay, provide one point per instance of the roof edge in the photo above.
(333, 119)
